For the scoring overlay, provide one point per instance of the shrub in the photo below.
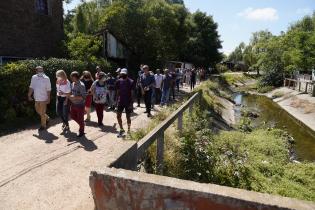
(15, 79)
(264, 89)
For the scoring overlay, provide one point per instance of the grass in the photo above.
(256, 160)
(278, 94)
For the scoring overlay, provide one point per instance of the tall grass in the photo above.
(255, 160)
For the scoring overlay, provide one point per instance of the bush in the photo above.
(264, 89)
(15, 80)
(272, 78)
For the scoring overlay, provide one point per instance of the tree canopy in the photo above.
(283, 54)
(156, 31)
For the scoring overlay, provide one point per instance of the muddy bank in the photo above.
(264, 112)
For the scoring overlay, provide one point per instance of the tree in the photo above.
(85, 48)
(204, 42)
(154, 31)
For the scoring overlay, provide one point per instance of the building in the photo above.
(30, 28)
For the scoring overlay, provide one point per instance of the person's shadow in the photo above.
(46, 136)
(104, 128)
(84, 142)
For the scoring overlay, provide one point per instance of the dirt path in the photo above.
(50, 170)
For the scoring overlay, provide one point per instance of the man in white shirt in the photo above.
(40, 88)
(158, 85)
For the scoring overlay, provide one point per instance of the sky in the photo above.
(238, 19)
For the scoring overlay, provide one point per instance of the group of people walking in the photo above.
(76, 95)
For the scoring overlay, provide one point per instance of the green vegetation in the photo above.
(276, 56)
(155, 31)
(253, 159)
(15, 80)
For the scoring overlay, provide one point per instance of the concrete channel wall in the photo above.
(116, 188)
(119, 189)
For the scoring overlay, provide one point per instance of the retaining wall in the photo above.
(119, 189)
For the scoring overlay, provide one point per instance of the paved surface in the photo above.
(299, 105)
(50, 170)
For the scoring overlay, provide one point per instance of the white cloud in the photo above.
(304, 11)
(261, 14)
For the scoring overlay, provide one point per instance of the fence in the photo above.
(303, 83)
(158, 133)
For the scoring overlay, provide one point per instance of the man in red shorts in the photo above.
(124, 88)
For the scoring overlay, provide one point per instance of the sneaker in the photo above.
(138, 105)
(87, 120)
(145, 112)
(149, 115)
(81, 134)
(63, 126)
(100, 124)
(121, 133)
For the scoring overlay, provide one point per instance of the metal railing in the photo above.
(157, 134)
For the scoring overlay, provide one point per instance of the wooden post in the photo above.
(299, 85)
(306, 86)
(160, 153)
(180, 122)
(313, 93)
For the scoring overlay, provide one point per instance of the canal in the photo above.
(272, 115)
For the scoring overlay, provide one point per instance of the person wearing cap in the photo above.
(77, 98)
(124, 89)
(111, 81)
(40, 88)
(99, 91)
(147, 83)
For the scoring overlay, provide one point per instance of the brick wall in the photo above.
(25, 33)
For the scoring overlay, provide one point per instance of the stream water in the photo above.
(273, 115)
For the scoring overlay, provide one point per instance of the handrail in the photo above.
(157, 134)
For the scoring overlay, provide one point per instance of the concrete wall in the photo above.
(120, 189)
(25, 33)
(128, 159)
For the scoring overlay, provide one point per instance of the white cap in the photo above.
(124, 71)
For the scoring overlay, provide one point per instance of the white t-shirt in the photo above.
(40, 85)
(158, 80)
(63, 86)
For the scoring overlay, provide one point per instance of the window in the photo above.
(42, 7)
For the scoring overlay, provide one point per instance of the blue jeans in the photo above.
(165, 96)
(63, 110)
